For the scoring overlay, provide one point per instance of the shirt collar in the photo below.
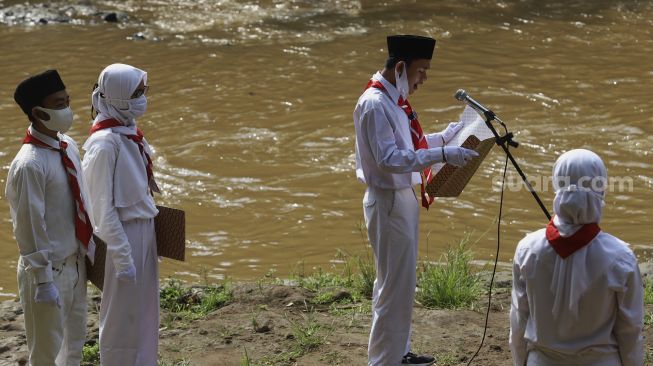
(393, 93)
(44, 138)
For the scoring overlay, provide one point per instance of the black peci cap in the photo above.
(410, 47)
(31, 91)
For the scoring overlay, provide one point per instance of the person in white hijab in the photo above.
(118, 168)
(577, 291)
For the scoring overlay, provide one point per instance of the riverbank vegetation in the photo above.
(320, 316)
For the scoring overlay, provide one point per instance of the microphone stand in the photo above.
(508, 140)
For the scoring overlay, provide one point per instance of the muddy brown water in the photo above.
(250, 108)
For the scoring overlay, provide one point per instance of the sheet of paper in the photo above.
(474, 125)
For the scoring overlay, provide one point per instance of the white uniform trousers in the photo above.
(392, 219)
(129, 313)
(56, 335)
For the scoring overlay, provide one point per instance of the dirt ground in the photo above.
(268, 324)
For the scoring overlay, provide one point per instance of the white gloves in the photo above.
(451, 131)
(47, 293)
(458, 156)
(128, 275)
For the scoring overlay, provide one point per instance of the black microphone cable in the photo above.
(496, 256)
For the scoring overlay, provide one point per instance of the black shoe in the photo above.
(417, 360)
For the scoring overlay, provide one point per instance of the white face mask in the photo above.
(402, 82)
(60, 119)
(129, 109)
(138, 106)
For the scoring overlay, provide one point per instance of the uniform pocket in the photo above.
(393, 200)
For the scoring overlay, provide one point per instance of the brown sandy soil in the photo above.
(262, 322)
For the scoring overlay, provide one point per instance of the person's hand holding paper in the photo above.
(466, 144)
(458, 156)
(451, 131)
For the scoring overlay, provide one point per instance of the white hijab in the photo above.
(580, 181)
(116, 84)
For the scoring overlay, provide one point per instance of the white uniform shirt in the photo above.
(115, 174)
(385, 156)
(610, 311)
(42, 204)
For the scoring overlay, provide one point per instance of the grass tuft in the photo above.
(452, 283)
(307, 334)
(194, 302)
(91, 354)
(648, 292)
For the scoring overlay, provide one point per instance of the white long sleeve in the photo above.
(630, 316)
(609, 321)
(434, 139)
(98, 166)
(42, 205)
(519, 313)
(385, 156)
(26, 187)
(388, 156)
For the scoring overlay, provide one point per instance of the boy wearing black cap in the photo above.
(51, 225)
(392, 156)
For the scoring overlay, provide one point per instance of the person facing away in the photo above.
(577, 291)
(48, 205)
(392, 156)
(118, 168)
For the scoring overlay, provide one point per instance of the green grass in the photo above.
(194, 302)
(246, 360)
(353, 273)
(450, 284)
(91, 354)
(307, 336)
(648, 319)
(447, 359)
(648, 292)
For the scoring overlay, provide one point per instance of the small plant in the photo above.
(306, 337)
(648, 292)
(367, 275)
(451, 284)
(323, 298)
(193, 302)
(648, 319)
(307, 334)
(91, 354)
(365, 264)
(245, 360)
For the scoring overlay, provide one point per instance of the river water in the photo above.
(250, 108)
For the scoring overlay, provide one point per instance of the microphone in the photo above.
(462, 96)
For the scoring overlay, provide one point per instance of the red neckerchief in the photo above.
(566, 246)
(138, 139)
(83, 227)
(416, 134)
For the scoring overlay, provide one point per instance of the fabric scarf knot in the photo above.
(83, 226)
(566, 246)
(417, 136)
(138, 140)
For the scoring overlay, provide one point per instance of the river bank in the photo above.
(267, 322)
